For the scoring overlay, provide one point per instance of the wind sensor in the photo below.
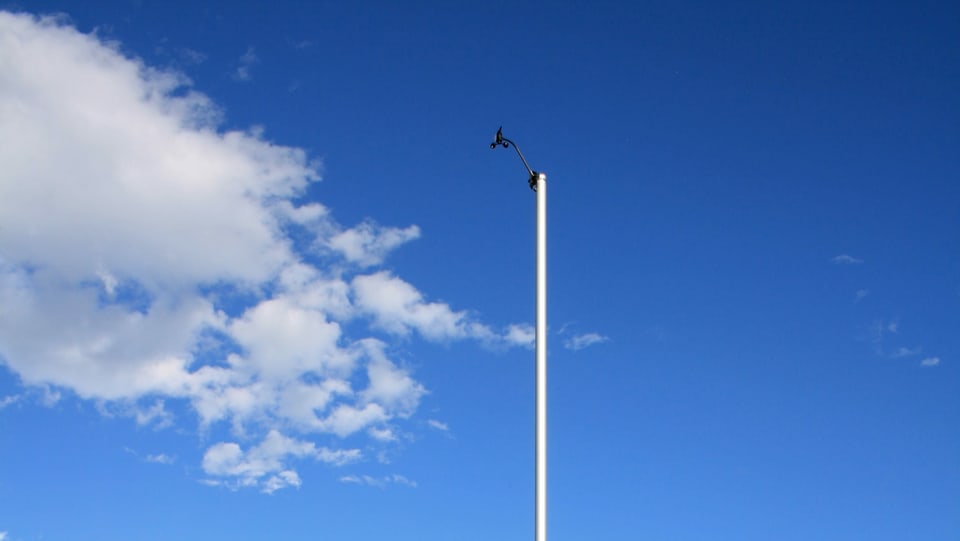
(500, 140)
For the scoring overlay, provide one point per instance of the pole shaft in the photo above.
(541, 394)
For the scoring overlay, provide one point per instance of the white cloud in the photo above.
(247, 61)
(368, 243)
(283, 479)
(861, 294)
(8, 400)
(49, 397)
(156, 415)
(930, 361)
(145, 261)
(845, 259)
(3, 536)
(191, 56)
(398, 308)
(282, 340)
(522, 335)
(338, 457)
(379, 482)
(264, 466)
(382, 433)
(906, 352)
(346, 419)
(879, 328)
(402, 480)
(580, 341)
(160, 458)
(390, 386)
(438, 425)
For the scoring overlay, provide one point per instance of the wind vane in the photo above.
(505, 143)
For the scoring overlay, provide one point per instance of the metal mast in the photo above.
(538, 183)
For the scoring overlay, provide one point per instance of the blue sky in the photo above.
(262, 277)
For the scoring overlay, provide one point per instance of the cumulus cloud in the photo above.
(265, 465)
(146, 259)
(580, 341)
(398, 308)
(368, 243)
(389, 385)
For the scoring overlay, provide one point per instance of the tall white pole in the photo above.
(541, 462)
(538, 182)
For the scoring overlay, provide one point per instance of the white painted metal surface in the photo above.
(541, 446)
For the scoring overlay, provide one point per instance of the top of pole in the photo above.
(500, 140)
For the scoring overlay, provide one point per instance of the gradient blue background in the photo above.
(707, 162)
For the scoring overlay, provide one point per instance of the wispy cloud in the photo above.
(191, 56)
(930, 361)
(246, 62)
(881, 332)
(438, 425)
(184, 280)
(880, 328)
(860, 295)
(906, 352)
(846, 259)
(379, 482)
(160, 458)
(302, 44)
(156, 415)
(9, 400)
(580, 341)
